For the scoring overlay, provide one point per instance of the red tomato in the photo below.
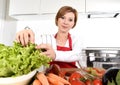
(77, 82)
(97, 82)
(88, 82)
(75, 76)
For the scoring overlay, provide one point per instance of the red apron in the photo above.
(60, 48)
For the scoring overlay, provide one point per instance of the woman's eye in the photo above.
(62, 17)
(70, 19)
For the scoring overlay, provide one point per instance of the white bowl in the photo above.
(21, 80)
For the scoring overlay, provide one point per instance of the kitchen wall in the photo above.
(8, 25)
(94, 32)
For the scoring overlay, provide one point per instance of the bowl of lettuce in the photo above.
(20, 63)
(19, 80)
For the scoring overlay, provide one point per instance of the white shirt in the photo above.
(66, 56)
(70, 56)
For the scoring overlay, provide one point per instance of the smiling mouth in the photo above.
(64, 27)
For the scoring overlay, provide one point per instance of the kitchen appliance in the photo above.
(102, 57)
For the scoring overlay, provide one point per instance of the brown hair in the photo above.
(64, 10)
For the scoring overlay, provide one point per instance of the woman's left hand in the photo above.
(49, 50)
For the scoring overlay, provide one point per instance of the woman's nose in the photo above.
(65, 21)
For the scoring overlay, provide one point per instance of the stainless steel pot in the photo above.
(103, 57)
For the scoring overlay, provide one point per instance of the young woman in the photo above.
(68, 46)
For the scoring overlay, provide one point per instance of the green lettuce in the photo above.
(18, 60)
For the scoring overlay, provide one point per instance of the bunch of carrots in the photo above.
(49, 79)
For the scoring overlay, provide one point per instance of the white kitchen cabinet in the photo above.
(52, 6)
(24, 7)
(30, 8)
(102, 6)
(45, 9)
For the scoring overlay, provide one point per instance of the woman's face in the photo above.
(66, 22)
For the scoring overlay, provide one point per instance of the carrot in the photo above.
(53, 76)
(42, 78)
(54, 81)
(36, 82)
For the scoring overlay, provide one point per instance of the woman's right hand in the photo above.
(50, 52)
(25, 36)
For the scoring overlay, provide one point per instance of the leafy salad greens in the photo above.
(18, 60)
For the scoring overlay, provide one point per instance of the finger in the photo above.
(25, 39)
(22, 40)
(42, 46)
(32, 38)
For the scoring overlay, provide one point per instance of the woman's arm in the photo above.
(64, 56)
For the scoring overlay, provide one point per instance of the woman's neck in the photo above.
(62, 35)
(61, 38)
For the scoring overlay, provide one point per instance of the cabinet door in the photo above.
(102, 5)
(21, 7)
(52, 6)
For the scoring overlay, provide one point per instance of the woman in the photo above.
(68, 46)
